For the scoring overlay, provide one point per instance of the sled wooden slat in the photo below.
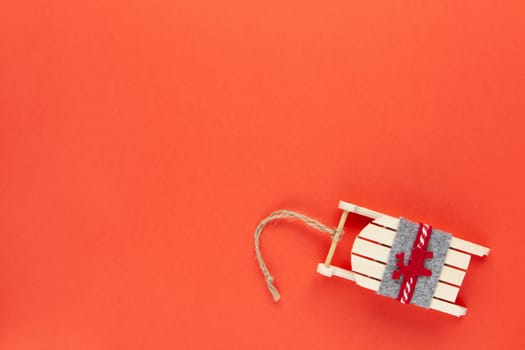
(386, 237)
(371, 250)
(381, 253)
(376, 270)
(457, 259)
(367, 282)
(378, 234)
(367, 267)
(469, 247)
(449, 308)
(435, 304)
(451, 275)
(446, 291)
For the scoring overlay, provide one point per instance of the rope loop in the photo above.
(279, 215)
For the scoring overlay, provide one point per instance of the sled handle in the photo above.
(336, 238)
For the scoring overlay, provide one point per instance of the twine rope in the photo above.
(278, 215)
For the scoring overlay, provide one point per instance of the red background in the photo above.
(142, 141)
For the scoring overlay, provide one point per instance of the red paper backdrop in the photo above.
(142, 141)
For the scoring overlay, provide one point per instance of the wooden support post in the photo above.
(336, 238)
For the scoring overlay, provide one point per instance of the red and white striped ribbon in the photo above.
(421, 242)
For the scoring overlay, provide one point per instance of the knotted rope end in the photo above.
(275, 293)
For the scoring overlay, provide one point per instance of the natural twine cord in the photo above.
(277, 215)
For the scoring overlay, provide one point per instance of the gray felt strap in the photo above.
(403, 242)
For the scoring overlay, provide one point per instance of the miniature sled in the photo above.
(372, 249)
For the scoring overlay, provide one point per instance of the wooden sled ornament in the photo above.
(372, 251)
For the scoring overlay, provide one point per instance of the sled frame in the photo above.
(367, 271)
